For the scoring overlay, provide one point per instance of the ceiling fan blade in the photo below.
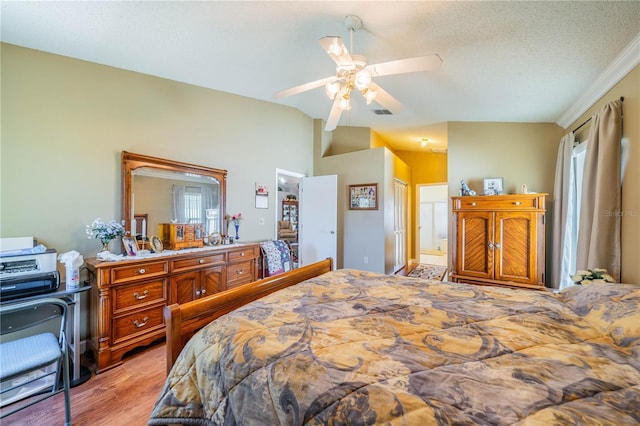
(303, 87)
(336, 49)
(386, 100)
(403, 66)
(334, 115)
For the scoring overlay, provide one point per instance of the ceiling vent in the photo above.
(382, 112)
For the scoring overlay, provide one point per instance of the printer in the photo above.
(26, 271)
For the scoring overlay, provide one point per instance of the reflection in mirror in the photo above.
(167, 196)
(157, 191)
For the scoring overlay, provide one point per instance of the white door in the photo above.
(318, 219)
(400, 224)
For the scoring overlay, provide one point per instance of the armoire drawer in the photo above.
(497, 202)
(131, 296)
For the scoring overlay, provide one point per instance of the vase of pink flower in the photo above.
(236, 218)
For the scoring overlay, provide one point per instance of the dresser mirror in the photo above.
(155, 191)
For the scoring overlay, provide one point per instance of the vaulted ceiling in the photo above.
(502, 61)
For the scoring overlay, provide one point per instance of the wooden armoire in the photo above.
(499, 240)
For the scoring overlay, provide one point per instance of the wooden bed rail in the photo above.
(182, 321)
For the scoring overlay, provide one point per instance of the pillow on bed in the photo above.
(614, 309)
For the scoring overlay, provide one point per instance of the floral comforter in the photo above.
(352, 347)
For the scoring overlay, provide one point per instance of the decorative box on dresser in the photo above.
(128, 296)
(499, 240)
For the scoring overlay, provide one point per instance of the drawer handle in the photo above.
(201, 261)
(240, 272)
(141, 324)
(197, 292)
(144, 294)
(241, 253)
(517, 203)
(204, 290)
(473, 204)
(142, 271)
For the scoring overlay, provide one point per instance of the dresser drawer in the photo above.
(130, 296)
(189, 263)
(243, 253)
(137, 323)
(239, 273)
(137, 272)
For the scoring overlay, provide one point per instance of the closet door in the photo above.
(400, 225)
(474, 243)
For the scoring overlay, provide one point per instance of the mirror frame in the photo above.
(131, 162)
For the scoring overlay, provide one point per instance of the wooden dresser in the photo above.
(128, 296)
(499, 240)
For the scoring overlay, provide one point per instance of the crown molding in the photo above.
(628, 59)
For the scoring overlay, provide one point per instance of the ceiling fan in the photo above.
(353, 74)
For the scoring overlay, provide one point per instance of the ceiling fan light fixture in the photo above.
(362, 79)
(332, 88)
(369, 95)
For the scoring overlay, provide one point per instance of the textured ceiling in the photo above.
(503, 61)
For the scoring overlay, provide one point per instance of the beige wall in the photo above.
(520, 153)
(629, 88)
(65, 123)
(361, 233)
(350, 139)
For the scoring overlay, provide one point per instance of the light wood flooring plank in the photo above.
(122, 396)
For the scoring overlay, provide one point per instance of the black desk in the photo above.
(72, 297)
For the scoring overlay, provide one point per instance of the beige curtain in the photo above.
(599, 233)
(560, 206)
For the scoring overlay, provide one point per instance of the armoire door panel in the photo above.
(515, 246)
(473, 239)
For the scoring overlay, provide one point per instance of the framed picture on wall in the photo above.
(363, 196)
(493, 186)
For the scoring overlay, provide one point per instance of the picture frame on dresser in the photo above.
(130, 246)
(156, 244)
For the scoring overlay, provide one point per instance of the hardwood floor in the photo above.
(123, 395)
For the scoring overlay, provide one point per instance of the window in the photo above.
(193, 205)
(570, 250)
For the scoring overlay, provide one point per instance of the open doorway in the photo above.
(433, 223)
(287, 205)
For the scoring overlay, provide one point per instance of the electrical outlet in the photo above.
(365, 260)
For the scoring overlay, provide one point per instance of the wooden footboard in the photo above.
(184, 320)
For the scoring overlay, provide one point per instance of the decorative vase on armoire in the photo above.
(237, 225)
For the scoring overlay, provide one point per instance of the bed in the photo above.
(354, 347)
